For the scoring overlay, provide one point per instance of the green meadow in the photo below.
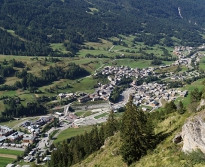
(10, 152)
(4, 161)
(71, 132)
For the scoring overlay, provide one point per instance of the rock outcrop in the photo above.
(178, 138)
(193, 133)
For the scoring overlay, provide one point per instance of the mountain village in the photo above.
(148, 96)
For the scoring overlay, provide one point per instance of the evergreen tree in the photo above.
(111, 125)
(170, 107)
(102, 134)
(134, 133)
(195, 95)
(181, 109)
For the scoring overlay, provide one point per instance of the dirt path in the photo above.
(8, 156)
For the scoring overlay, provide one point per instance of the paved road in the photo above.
(111, 48)
(124, 97)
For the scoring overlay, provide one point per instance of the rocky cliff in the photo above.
(193, 133)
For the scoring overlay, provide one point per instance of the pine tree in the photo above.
(95, 139)
(170, 107)
(134, 133)
(181, 109)
(102, 134)
(111, 125)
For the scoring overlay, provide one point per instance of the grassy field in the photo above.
(59, 47)
(14, 123)
(172, 69)
(80, 113)
(4, 161)
(11, 123)
(197, 84)
(76, 85)
(10, 152)
(202, 63)
(131, 48)
(71, 132)
(88, 113)
(8, 156)
(101, 115)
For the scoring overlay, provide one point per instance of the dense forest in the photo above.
(28, 27)
(14, 108)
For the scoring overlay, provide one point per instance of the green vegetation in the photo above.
(71, 132)
(197, 84)
(164, 154)
(80, 113)
(53, 134)
(8, 156)
(136, 134)
(54, 35)
(14, 123)
(88, 113)
(101, 115)
(89, 142)
(5, 161)
(10, 152)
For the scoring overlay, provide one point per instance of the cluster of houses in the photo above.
(180, 50)
(150, 94)
(66, 95)
(9, 136)
(101, 93)
(146, 94)
(115, 73)
(34, 127)
(186, 75)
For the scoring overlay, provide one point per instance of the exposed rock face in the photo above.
(193, 134)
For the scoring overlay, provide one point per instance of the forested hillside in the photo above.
(28, 27)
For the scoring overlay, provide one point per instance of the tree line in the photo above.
(82, 146)
(14, 108)
(31, 82)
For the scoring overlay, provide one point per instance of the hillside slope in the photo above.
(164, 155)
(28, 27)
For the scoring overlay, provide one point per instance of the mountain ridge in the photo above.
(73, 22)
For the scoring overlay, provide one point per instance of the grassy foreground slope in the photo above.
(4, 161)
(165, 154)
